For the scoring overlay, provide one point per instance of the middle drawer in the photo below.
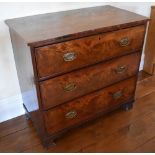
(69, 86)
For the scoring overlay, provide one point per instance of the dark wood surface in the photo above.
(89, 50)
(134, 130)
(87, 80)
(89, 105)
(48, 28)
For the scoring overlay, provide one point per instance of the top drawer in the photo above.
(63, 57)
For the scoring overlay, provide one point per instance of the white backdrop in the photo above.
(10, 99)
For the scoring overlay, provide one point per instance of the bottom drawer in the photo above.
(84, 108)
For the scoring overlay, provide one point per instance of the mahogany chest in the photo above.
(74, 66)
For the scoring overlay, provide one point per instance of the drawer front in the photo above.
(75, 84)
(63, 57)
(84, 108)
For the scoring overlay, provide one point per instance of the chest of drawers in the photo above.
(74, 66)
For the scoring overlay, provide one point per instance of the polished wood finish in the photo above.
(49, 86)
(135, 128)
(142, 75)
(89, 50)
(9, 127)
(49, 28)
(87, 106)
(149, 60)
(147, 86)
(87, 80)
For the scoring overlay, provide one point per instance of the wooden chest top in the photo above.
(55, 27)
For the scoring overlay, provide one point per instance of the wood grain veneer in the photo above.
(87, 80)
(107, 42)
(89, 50)
(87, 106)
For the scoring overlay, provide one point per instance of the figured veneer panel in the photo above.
(71, 65)
(87, 80)
(88, 106)
(89, 50)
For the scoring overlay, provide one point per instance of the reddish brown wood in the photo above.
(149, 59)
(143, 75)
(89, 50)
(88, 106)
(126, 139)
(140, 138)
(13, 125)
(19, 141)
(28, 85)
(48, 28)
(149, 87)
(148, 147)
(87, 80)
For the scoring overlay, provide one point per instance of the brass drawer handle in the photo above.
(71, 114)
(124, 42)
(70, 56)
(121, 69)
(70, 87)
(117, 94)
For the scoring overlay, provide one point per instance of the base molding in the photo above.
(11, 107)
